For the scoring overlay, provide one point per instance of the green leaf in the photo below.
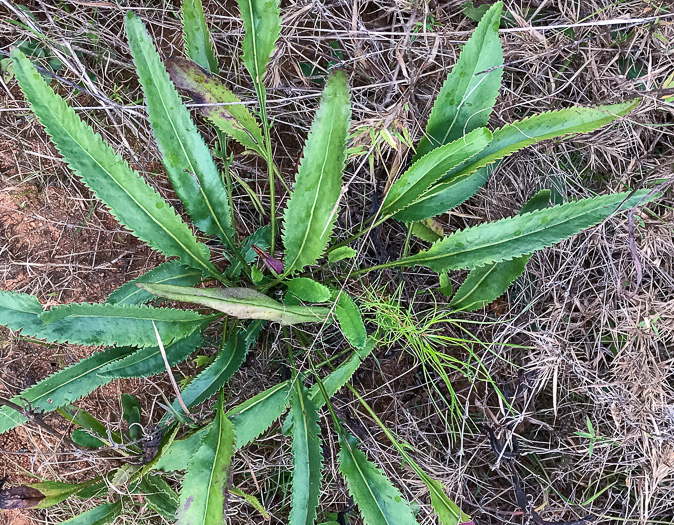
(180, 451)
(379, 502)
(507, 140)
(243, 303)
(488, 282)
(260, 239)
(350, 320)
(252, 501)
(39, 495)
(20, 311)
(432, 167)
(344, 252)
(228, 361)
(308, 290)
(63, 387)
(469, 93)
(105, 324)
(197, 38)
(100, 515)
(520, 235)
(262, 24)
(185, 154)
(312, 210)
(171, 272)
(130, 199)
(228, 112)
(131, 413)
(423, 231)
(307, 458)
(158, 495)
(85, 439)
(148, 361)
(202, 497)
(449, 513)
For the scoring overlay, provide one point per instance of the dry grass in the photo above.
(594, 341)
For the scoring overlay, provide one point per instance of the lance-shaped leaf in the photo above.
(250, 419)
(101, 515)
(63, 387)
(312, 210)
(520, 235)
(38, 495)
(158, 495)
(262, 25)
(350, 320)
(185, 155)
(223, 109)
(202, 497)
(505, 141)
(198, 45)
(488, 282)
(171, 272)
(244, 303)
(130, 199)
(379, 502)
(307, 458)
(470, 90)
(148, 361)
(432, 167)
(228, 361)
(105, 324)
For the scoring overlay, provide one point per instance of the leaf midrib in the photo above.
(364, 478)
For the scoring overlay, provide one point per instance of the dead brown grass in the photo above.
(595, 342)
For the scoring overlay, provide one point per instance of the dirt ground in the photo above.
(589, 328)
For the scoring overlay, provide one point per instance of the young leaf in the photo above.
(131, 412)
(244, 303)
(344, 252)
(252, 501)
(350, 320)
(488, 282)
(148, 361)
(158, 495)
(312, 210)
(379, 502)
(101, 515)
(202, 497)
(63, 387)
(130, 199)
(520, 235)
(505, 141)
(307, 458)
(431, 167)
(262, 24)
(308, 290)
(228, 113)
(260, 239)
(197, 38)
(105, 324)
(227, 362)
(186, 156)
(171, 272)
(469, 93)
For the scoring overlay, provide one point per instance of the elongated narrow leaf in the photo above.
(379, 502)
(488, 282)
(350, 320)
(262, 24)
(148, 361)
(244, 303)
(312, 209)
(505, 141)
(100, 515)
(130, 199)
(334, 381)
(431, 167)
(198, 44)
(520, 235)
(307, 458)
(158, 495)
(308, 290)
(185, 154)
(105, 324)
(227, 112)
(202, 497)
(252, 501)
(449, 513)
(227, 362)
(171, 272)
(180, 451)
(63, 387)
(470, 90)
(344, 252)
